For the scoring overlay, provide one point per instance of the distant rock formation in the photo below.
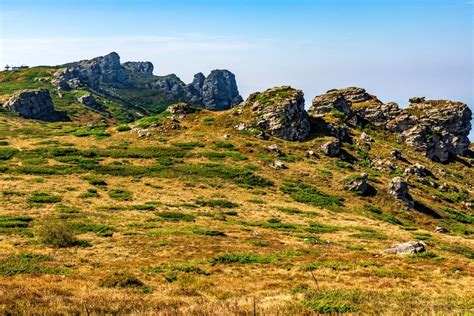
(216, 92)
(280, 112)
(34, 104)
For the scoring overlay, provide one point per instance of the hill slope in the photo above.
(198, 212)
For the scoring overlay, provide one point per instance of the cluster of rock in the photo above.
(406, 248)
(218, 91)
(438, 128)
(398, 188)
(280, 112)
(34, 104)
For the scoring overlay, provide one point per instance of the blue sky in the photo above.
(394, 48)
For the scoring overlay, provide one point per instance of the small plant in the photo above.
(121, 195)
(90, 193)
(27, 263)
(212, 233)
(95, 181)
(308, 194)
(208, 120)
(123, 128)
(58, 235)
(7, 153)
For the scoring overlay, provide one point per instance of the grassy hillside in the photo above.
(97, 220)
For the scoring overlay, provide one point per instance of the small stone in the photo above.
(396, 154)
(441, 230)
(240, 127)
(312, 154)
(331, 149)
(278, 165)
(366, 138)
(274, 148)
(359, 185)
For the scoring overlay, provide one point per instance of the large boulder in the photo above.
(438, 128)
(398, 188)
(280, 112)
(331, 148)
(333, 100)
(90, 101)
(358, 184)
(377, 113)
(34, 104)
(181, 108)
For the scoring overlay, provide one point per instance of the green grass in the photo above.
(56, 234)
(220, 203)
(27, 263)
(175, 216)
(44, 198)
(99, 229)
(308, 194)
(121, 280)
(318, 228)
(375, 212)
(174, 268)
(330, 301)
(7, 153)
(121, 195)
(242, 258)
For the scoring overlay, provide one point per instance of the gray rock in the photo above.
(396, 154)
(280, 112)
(139, 67)
(417, 100)
(181, 108)
(330, 101)
(398, 188)
(441, 230)
(216, 92)
(274, 148)
(89, 101)
(439, 128)
(331, 148)
(418, 170)
(378, 113)
(358, 184)
(34, 104)
(278, 165)
(406, 248)
(366, 138)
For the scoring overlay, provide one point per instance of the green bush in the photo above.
(242, 258)
(123, 128)
(27, 263)
(58, 235)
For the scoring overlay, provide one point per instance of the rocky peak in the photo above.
(34, 104)
(216, 92)
(140, 67)
(280, 112)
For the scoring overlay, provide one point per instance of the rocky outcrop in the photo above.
(280, 112)
(398, 188)
(406, 248)
(216, 92)
(181, 108)
(89, 101)
(34, 104)
(139, 67)
(340, 100)
(378, 113)
(439, 128)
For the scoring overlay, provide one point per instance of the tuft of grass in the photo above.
(176, 216)
(174, 268)
(217, 203)
(318, 228)
(242, 258)
(7, 153)
(212, 233)
(41, 197)
(329, 301)
(305, 193)
(121, 195)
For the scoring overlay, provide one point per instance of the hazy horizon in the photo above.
(394, 49)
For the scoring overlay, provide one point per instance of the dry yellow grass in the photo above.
(351, 273)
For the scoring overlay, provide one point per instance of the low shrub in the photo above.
(40, 197)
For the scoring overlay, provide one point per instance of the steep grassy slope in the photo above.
(187, 221)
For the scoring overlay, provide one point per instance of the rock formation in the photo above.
(106, 74)
(280, 112)
(89, 101)
(34, 104)
(331, 149)
(398, 188)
